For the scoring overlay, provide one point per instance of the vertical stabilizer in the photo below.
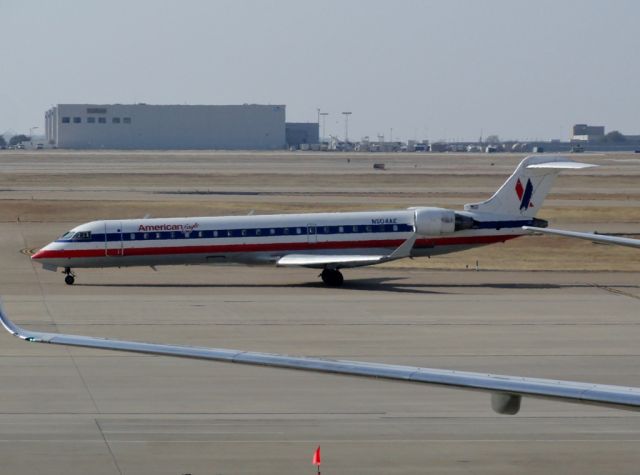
(525, 190)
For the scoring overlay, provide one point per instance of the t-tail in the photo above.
(525, 190)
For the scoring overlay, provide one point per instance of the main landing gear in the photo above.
(70, 277)
(332, 277)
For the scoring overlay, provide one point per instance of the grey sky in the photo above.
(444, 69)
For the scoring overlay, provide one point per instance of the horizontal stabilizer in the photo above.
(506, 391)
(568, 165)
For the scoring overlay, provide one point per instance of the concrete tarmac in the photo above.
(79, 411)
(85, 411)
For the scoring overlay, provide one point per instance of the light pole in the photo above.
(324, 116)
(346, 126)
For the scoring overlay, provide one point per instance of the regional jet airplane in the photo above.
(327, 241)
(506, 391)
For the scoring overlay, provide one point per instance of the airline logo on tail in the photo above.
(524, 194)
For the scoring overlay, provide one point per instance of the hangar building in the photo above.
(161, 127)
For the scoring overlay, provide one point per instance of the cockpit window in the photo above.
(82, 236)
(66, 236)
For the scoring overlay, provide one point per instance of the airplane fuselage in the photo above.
(260, 239)
(327, 241)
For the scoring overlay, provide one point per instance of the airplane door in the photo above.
(312, 233)
(113, 246)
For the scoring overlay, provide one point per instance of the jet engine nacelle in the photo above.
(434, 221)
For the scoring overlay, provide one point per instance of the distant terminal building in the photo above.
(163, 127)
(587, 133)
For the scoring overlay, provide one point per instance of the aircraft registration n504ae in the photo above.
(327, 241)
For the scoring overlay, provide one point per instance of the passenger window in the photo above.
(355, 229)
(272, 231)
(285, 231)
(327, 230)
(132, 236)
(298, 230)
(146, 235)
(158, 236)
(340, 229)
(229, 233)
(368, 229)
(215, 234)
(243, 232)
(200, 234)
(258, 232)
(395, 227)
(187, 234)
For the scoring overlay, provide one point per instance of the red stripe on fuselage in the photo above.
(270, 247)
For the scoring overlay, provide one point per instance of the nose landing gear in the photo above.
(70, 277)
(332, 277)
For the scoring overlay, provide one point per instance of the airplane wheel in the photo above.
(69, 279)
(332, 277)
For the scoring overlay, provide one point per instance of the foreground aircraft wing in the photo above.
(347, 260)
(506, 391)
(602, 238)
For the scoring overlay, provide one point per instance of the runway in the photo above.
(76, 411)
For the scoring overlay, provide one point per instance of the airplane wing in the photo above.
(602, 238)
(328, 260)
(506, 391)
(337, 261)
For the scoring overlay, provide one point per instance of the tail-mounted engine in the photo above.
(438, 221)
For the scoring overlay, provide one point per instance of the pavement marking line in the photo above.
(615, 291)
(113, 457)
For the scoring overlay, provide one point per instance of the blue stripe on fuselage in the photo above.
(282, 231)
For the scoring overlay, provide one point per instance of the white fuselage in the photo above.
(260, 239)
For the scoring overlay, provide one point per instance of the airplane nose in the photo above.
(42, 254)
(38, 255)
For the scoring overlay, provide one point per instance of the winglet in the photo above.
(8, 324)
(404, 249)
(16, 330)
